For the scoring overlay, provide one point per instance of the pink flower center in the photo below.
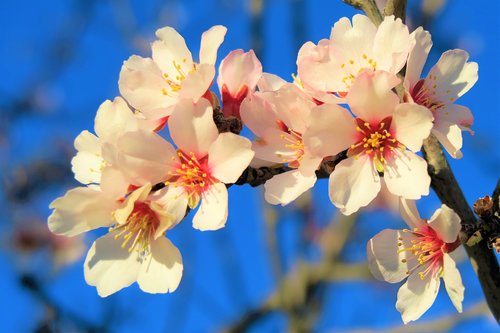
(376, 141)
(427, 247)
(140, 227)
(193, 174)
(424, 93)
(294, 142)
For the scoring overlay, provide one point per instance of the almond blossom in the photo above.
(154, 85)
(279, 119)
(112, 120)
(239, 73)
(135, 248)
(423, 254)
(450, 78)
(332, 65)
(381, 140)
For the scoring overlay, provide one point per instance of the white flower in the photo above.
(450, 78)
(423, 254)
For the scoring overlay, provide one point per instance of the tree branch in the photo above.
(369, 7)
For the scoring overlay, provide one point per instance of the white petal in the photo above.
(418, 55)
(257, 114)
(450, 136)
(113, 119)
(391, 45)
(198, 82)
(192, 127)
(409, 213)
(228, 157)
(446, 223)
(270, 82)
(88, 162)
(139, 195)
(141, 84)
(286, 187)
(452, 75)
(412, 124)
(331, 130)
(170, 205)
(212, 214)
(453, 282)
(406, 175)
(170, 49)
(161, 272)
(79, 210)
(416, 296)
(110, 267)
(385, 260)
(210, 42)
(371, 97)
(353, 184)
(142, 156)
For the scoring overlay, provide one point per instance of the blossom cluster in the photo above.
(157, 152)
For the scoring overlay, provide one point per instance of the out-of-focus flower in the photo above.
(135, 248)
(423, 254)
(382, 139)
(451, 77)
(154, 85)
(333, 65)
(239, 73)
(279, 119)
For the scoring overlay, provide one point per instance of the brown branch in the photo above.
(396, 8)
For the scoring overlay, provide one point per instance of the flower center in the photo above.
(424, 93)
(426, 247)
(375, 141)
(193, 174)
(175, 83)
(141, 225)
(352, 68)
(293, 141)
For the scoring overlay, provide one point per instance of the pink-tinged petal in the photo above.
(197, 83)
(88, 162)
(309, 163)
(371, 97)
(81, 209)
(417, 295)
(210, 42)
(418, 56)
(385, 260)
(270, 82)
(391, 45)
(412, 124)
(293, 107)
(113, 119)
(229, 156)
(406, 175)
(409, 213)
(452, 76)
(453, 282)
(114, 183)
(142, 156)
(142, 84)
(192, 126)
(286, 187)
(446, 224)
(316, 69)
(161, 272)
(171, 53)
(109, 266)
(238, 70)
(331, 130)
(212, 214)
(450, 121)
(353, 184)
(258, 115)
